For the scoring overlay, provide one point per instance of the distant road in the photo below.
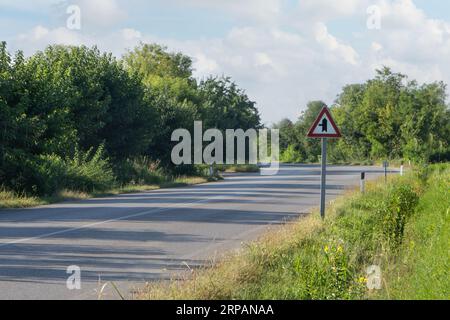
(130, 239)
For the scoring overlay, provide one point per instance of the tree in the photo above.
(389, 117)
(85, 98)
(171, 91)
(225, 106)
(167, 73)
(311, 147)
(287, 133)
(179, 100)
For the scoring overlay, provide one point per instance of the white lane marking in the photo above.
(87, 226)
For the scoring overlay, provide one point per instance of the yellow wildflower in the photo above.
(362, 280)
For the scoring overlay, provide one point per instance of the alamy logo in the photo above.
(374, 18)
(74, 280)
(374, 278)
(74, 19)
(229, 150)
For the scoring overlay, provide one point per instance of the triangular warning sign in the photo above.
(324, 126)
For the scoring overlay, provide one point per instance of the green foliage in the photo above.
(427, 239)
(387, 117)
(169, 74)
(225, 106)
(326, 273)
(139, 171)
(81, 96)
(290, 155)
(170, 90)
(87, 172)
(396, 212)
(179, 100)
(294, 145)
(60, 104)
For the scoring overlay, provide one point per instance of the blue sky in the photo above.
(283, 52)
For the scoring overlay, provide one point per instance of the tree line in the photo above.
(388, 117)
(77, 118)
(72, 117)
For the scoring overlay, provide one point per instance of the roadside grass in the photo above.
(393, 163)
(354, 163)
(423, 271)
(313, 259)
(11, 200)
(241, 168)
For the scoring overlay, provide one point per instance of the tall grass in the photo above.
(9, 199)
(423, 271)
(239, 168)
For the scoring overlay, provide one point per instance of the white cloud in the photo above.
(331, 9)
(344, 52)
(282, 71)
(412, 43)
(204, 65)
(25, 4)
(262, 59)
(102, 13)
(131, 34)
(283, 58)
(39, 37)
(267, 11)
(376, 47)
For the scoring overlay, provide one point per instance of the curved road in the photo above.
(133, 238)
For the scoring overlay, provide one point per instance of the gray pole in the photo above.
(363, 182)
(323, 186)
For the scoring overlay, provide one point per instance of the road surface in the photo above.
(134, 238)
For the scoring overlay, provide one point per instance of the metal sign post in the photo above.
(323, 185)
(324, 127)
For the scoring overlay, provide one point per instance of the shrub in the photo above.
(50, 175)
(291, 155)
(85, 172)
(395, 213)
(139, 171)
(89, 171)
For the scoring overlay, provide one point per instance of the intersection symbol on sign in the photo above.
(324, 126)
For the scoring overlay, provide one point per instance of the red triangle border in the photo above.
(324, 111)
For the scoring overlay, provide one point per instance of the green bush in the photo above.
(50, 175)
(89, 171)
(86, 172)
(291, 155)
(139, 171)
(396, 212)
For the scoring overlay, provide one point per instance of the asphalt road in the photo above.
(134, 238)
